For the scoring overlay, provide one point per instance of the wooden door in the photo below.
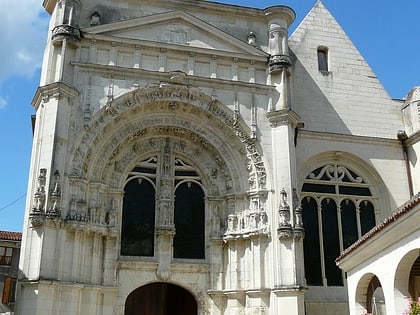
(160, 299)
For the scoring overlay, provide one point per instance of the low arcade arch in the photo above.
(369, 295)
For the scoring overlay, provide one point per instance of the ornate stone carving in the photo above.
(284, 210)
(61, 32)
(285, 229)
(39, 197)
(54, 210)
(159, 99)
(78, 210)
(37, 216)
(248, 222)
(298, 229)
(278, 62)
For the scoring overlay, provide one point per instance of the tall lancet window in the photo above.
(337, 209)
(189, 213)
(138, 216)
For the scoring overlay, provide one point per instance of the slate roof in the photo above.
(10, 236)
(405, 208)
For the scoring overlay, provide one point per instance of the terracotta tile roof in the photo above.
(10, 236)
(406, 207)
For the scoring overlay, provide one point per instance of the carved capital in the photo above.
(285, 233)
(278, 63)
(37, 219)
(283, 117)
(61, 32)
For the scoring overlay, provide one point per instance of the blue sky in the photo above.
(386, 33)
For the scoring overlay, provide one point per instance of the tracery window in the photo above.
(337, 209)
(163, 192)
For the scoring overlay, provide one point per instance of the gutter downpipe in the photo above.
(402, 136)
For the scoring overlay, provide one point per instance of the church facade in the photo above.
(193, 156)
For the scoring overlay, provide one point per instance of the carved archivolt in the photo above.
(200, 130)
(132, 123)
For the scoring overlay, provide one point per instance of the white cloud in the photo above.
(3, 102)
(24, 28)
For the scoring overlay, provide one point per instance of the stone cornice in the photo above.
(414, 138)
(328, 136)
(283, 117)
(281, 290)
(56, 89)
(208, 6)
(190, 80)
(262, 57)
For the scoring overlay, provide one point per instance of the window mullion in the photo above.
(321, 244)
(359, 225)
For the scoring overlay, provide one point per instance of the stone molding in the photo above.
(283, 117)
(55, 90)
(166, 98)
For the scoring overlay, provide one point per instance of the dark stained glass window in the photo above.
(349, 222)
(138, 218)
(331, 242)
(346, 212)
(367, 216)
(311, 242)
(189, 221)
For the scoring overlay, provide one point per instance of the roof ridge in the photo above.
(10, 236)
(400, 211)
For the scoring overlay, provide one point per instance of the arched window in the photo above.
(183, 209)
(138, 215)
(337, 209)
(189, 221)
(138, 219)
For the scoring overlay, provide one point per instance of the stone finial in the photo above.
(95, 19)
(252, 39)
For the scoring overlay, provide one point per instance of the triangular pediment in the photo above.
(177, 28)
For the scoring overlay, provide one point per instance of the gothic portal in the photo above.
(195, 155)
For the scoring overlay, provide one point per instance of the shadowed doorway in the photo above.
(160, 299)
